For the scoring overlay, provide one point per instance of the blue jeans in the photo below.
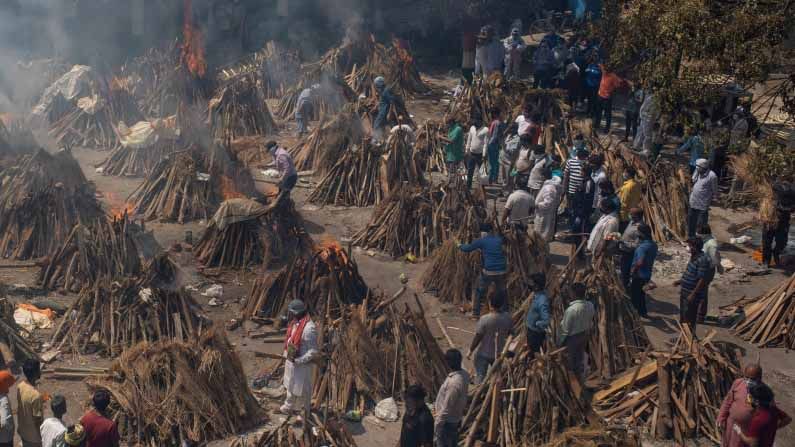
(446, 435)
(299, 120)
(483, 287)
(481, 368)
(696, 218)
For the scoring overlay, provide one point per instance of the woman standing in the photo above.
(765, 420)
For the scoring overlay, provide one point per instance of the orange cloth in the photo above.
(6, 380)
(29, 307)
(610, 83)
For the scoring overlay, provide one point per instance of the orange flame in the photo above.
(119, 208)
(330, 249)
(193, 44)
(228, 189)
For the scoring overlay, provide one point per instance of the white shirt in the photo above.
(519, 202)
(298, 374)
(597, 176)
(52, 433)
(477, 140)
(607, 224)
(524, 125)
(407, 130)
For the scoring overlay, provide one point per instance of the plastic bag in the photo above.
(483, 174)
(387, 410)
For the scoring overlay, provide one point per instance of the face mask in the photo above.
(579, 144)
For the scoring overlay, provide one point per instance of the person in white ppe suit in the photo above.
(546, 207)
(649, 114)
(300, 350)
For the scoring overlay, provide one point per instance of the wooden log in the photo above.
(664, 423)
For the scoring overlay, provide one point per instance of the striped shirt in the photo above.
(574, 170)
(697, 269)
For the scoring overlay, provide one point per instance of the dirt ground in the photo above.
(383, 273)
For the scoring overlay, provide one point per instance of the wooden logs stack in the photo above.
(180, 392)
(676, 393)
(770, 318)
(42, 198)
(15, 346)
(430, 146)
(316, 434)
(239, 109)
(354, 180)
(321, 150)
(106, 249)
(395, 64)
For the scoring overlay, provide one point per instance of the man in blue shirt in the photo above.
(695, 145)
(642, 265)
(538, 315)
(385, 100)
(494, 265)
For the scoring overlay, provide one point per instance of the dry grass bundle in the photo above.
(106, 249)
(757, 169)
(175, 393)
(677, 392)
(326, 281)
(315, 434)
(523, 401)
(257, 235)
(238, 109)
(327, 142)
(110, 317)
(770, 318)
(42, 199)
(354, 180)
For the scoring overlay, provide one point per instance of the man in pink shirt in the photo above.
(288, 176)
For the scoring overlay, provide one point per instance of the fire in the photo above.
(402, 51)
(228, 189)
(330, 249)
(119, 208)
(193, 44)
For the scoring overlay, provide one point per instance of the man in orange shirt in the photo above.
(604, 102)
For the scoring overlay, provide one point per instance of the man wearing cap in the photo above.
(642, 265)
(52, 429)
(385, 101)
(300, 349)
(705, 190)
(288, 176)
(514, 48)
(417, 429)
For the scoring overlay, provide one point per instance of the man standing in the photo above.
(517, 207)
(451, 402)
(303, 109)
(490, 334)
(705, 190)
(573, 176)
(494, 264)
(53, 430)
(605, 226)
(30, 411)
(693, 283)
(713, 253)
(695, 145)
(631, 113)
(100, 430)
(477, 139)
(300, 349)
(642, 267)
(385, 101)
(608, 85)
(454, 147)
(417, 429)
(629, 195)
(468, 42)
(735, 408)
(649, 114)
(288, 176)
(575, 329)
(543, 66)
(630, 239)
(592, 79)
(599, 176)
(537, 321)
(496, 130)
(776, 230)
(540, 165)
(508, 155)
(514, 49)
(546, 207)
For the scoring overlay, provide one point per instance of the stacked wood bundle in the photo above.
(180, 393)
(430, 146)
(329, 96)
(401, 165)
(255, 234)
(327, 143)
(238, 109)
(106, 249)
(395, 64)
(548, 103)
(277, 66)
(354, 180)
(770, 318)
(524, 401)
(137, 162)
(88, 123)
(527, 253)
(315, 434)
(111, 316)
(14, 345)
(42, 199)
(595, 437)
(375, 355)
(478, 99)
(15, 139)
(122, 105)
(677, 392)
(619, 337)
(326, 281)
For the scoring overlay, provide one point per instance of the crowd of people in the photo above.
(95, 428)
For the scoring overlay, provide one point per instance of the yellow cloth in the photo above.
(30, 412)
(629, 194)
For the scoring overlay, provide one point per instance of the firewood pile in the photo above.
(476, 100)
(244, 233)
(595, 437)
(326, 281)
(15, 345)
(770, 318)
(88, 123)
(129, 161)
(527, 253)
(315, 434)
(190, 185)
(401, 164)
(618, 338)
(398, 113)
(105, 249)
(43, 198)
(677, 393)
(354, 180)
(276, 65)
(15, 139)
(523, 401)
(327, 143)
(111, 316)
(375, 355)
(180, 393)
(395, 64)
(239, 109)
(166, 84)
(330, 96)
(431, 147)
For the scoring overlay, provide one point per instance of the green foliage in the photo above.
(772, 161)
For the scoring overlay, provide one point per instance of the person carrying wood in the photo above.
(288, 176)
(490, 334)
(417, 428)
(300, 350)
(494, 263)
(575, 329)
(693, 283)
(451, 402)
(537, 321)
(642, 267)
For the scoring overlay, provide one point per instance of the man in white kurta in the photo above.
(300, 350)
(546, 207)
